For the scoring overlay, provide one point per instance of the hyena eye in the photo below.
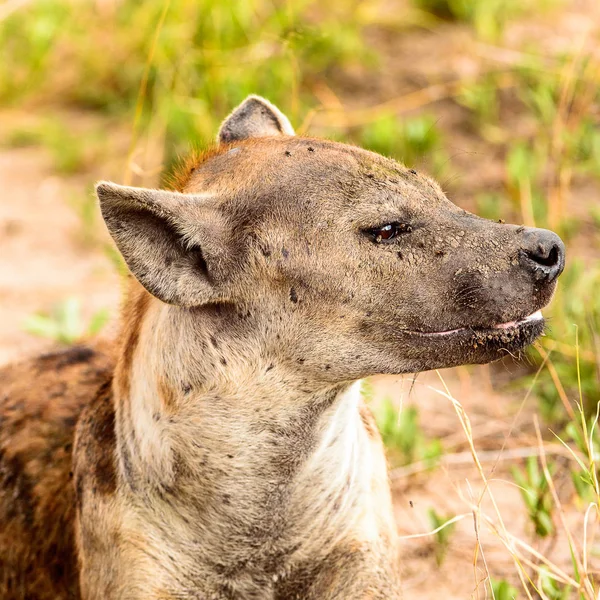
(386, 233)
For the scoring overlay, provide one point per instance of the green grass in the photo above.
(536, 496)
(402, 433)
(573, 313)
(197, 62)
(443, 533)
(502, 590)
(481, 97)
(64, 323)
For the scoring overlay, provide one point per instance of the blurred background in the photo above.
(499, 100)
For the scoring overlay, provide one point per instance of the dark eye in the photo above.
(389, 231)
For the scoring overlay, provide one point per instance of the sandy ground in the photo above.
(42, 262)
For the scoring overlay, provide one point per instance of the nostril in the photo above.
(542, 253)
(544, 257)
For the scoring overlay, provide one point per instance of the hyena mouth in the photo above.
(534, 318)
(485, 344)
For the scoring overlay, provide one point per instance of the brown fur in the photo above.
(183, 172)
(37, 508)
(222, 451)
(133, 313)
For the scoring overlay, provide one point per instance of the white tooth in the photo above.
(535, 316)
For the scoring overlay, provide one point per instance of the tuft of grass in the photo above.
(552, 589)
(482, 99)
(539, 576)
(403, 435)
(584, 476)
(443, 532)
(64, 323)
(502, 590)
(536, 496)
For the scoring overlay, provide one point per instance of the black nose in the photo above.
(543, 253)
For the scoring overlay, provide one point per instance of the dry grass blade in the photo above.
(465, 423)
(559, 387)
(455, 519)
(587, 586)
(484, 456)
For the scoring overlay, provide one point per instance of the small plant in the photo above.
(536, 496)
(552, 589)
(64, 323)
(403, 435)
(442, 535)
(502, 590)
(585, 477)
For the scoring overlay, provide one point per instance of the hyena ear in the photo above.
(254, 117)
(174, 244)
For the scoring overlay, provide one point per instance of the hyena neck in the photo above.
(229, 440)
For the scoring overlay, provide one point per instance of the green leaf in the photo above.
(98, 321)
(41, 325)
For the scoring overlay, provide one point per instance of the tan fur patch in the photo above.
(133, 314)
(167, 395)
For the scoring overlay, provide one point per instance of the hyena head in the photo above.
(340, 262)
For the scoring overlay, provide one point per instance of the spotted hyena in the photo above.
(220, 449)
